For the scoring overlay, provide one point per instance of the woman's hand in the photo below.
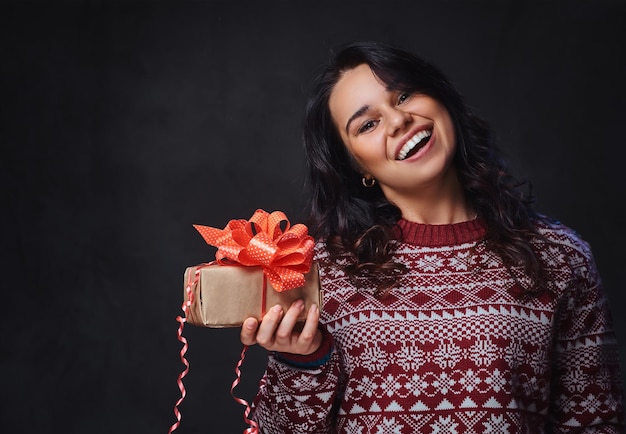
(278, 331)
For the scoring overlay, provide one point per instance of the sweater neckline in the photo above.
(441, 235)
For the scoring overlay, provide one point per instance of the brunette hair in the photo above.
(360, 221)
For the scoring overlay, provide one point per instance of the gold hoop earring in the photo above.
(368, 182)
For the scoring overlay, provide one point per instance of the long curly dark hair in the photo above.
(360, 221)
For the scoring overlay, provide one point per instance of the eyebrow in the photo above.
(356, 114)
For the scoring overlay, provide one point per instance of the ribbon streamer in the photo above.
(185, 307)
(253, 428)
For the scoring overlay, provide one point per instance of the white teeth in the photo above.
(412, 142)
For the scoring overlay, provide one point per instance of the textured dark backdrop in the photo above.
(124, 123)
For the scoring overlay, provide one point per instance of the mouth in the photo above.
(414, 144)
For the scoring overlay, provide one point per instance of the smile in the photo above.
(414, 144)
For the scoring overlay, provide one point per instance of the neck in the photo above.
(441, 202)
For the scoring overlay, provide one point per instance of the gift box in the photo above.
(224, 296)
(259, 263)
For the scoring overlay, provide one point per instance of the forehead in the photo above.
(357, 87)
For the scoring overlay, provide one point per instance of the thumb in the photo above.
(248, 331)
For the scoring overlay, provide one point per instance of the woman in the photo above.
(450, 305)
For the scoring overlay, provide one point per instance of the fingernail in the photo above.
(298, 304)
(250, 324)
(314, 308)
(278, 308)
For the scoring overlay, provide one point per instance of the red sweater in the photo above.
(454, 347)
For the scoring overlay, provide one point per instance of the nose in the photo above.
(397, 121)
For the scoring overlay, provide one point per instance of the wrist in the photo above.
(313, 360)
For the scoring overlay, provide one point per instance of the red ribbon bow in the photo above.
(284, 254)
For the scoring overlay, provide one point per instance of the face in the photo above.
(405, 141)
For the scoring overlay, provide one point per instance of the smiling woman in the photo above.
(475, 183)
(382, 135)
(450, 304)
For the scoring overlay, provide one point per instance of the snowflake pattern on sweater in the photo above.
(454, 348)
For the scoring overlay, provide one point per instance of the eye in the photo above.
(366, 126)
(403, 97)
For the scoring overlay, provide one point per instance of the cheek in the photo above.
(449, 126)
(449, 134)
(365, 154)
(354, 155)
(357, 161)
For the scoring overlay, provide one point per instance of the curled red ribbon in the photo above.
(285, 254)
(253, 426)
(185, 307)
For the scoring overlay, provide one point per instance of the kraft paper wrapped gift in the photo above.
(262, 252)
(225, 295)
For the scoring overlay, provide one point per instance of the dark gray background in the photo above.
(125, 123)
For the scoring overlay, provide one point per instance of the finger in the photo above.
(310, 331)
(268, 326)
(248, 331)
(286, 328)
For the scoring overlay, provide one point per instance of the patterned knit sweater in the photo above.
(454, 347)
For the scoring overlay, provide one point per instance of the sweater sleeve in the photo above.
(298, 396)
(587, 390)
